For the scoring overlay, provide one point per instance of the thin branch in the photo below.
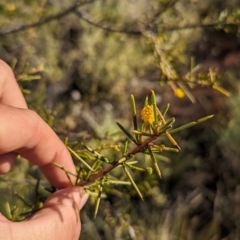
(103, 25)
(45, 20)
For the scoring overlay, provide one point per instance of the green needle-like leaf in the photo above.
(146, 101)
(134, 112)
(25, 91)
(154, 161)
(5, 209)
(95, 166)
(125, 148)
(123, 159)
(167, 124)
(142, 126)
(119, 182)
(154, 103)
(23, 200)
(142, 133)
(96, 154)
(132, 181)
(126, 132)
(68, 173)
(80, 159)
(168, 149)
(13, 63)
(188, 125)
(170, 138)
(66, 141)
(78, 176)
(165, 110)
(221, 90)
(29, 78)
(98, 200)
(133, 167)
(64, 169)
(204, 119)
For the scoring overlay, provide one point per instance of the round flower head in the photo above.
(147, 114)
(178, 92)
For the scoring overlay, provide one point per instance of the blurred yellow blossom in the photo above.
(178, 92)
(147, 114)
(10, 7)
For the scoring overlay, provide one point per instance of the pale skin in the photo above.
(23, 132)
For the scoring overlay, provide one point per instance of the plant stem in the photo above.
(113, 165)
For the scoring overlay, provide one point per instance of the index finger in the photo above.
(23, 132)
(10, 93)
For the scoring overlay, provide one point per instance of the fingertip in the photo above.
(66, 197)
(6, 162)
(72, 196)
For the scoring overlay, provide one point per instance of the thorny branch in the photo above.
(127, 156)
(106, 26)
(103, 25)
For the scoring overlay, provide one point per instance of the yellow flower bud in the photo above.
(149, 170)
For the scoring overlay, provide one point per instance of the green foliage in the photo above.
(108, 50)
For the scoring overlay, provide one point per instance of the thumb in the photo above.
(61, 211)
(58, 219)
(74, 197)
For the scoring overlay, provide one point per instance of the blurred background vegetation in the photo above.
(88, 57)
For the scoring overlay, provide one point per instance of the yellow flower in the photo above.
(147, 114)
(178, 92)
(10, 7)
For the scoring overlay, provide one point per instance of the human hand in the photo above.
(23, 132)
(58, 219)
